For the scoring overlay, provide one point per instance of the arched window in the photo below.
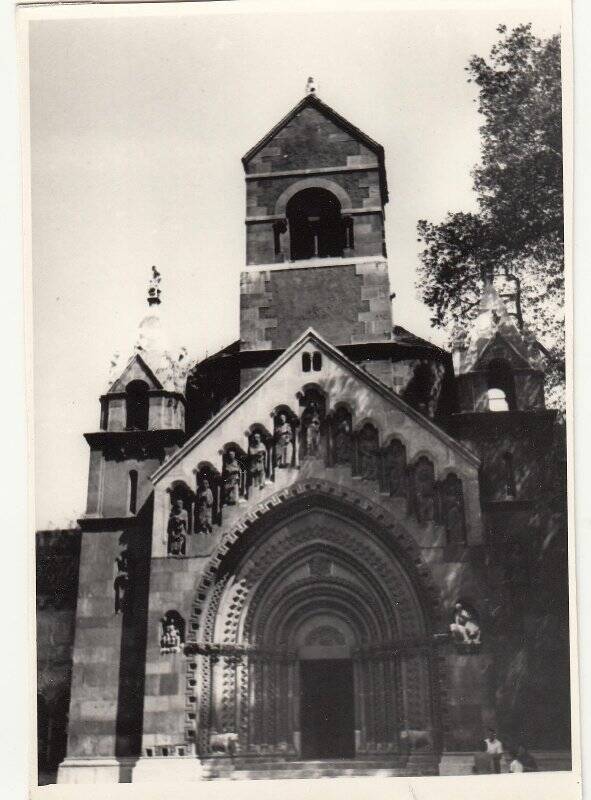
(317, 362)
(306, 362)
(316, 228)
(497, 400)
(137, 406)
(501, 386)
(132, 491)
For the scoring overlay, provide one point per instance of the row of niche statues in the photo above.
(314, 435)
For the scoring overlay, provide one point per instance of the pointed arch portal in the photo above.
(315, 638)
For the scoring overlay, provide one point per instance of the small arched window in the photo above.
(500, 379)
(317, 362)
(306, 362)
(137, 406)
(497, 400)
(132, 491)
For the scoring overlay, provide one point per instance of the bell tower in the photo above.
(315, 248)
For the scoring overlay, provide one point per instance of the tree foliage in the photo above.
(519, 223)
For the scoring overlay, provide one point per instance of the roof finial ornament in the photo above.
(311, 86)
(154, 288)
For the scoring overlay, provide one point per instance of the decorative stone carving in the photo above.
(368, 445)
(257, 460)
(465, 627)
(121, 583)
(232, 479)
(204, 506)
(178, 525)
(172, 633)
(283, 442)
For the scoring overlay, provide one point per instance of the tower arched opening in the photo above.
(316, 226)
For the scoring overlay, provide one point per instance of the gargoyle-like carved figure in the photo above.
(465, 627)
(232, 479)
(178, 525)
(257, 460)
(204, 506)
(283, 442)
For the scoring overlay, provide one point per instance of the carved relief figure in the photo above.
(204, 506)
(257, 458)
(424, 485)
(368, 452)
(232, 479)
(178, 525)
(283, 442)
(342, 437)
(465, 628)
(121, 582)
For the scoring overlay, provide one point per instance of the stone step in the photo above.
(274, 770)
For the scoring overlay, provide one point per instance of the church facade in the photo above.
(330, 546)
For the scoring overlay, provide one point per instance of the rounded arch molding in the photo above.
(312, 183)
(332, 497)
(298, 572)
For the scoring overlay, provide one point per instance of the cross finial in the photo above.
(154, 288)
(310, 86)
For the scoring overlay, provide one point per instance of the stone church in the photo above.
(331, 547)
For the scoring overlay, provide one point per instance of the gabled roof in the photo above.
(329, 350)
(144, 368)
(313, 101)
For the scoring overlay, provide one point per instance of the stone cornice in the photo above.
(346, 212)
(288, 173)
(311, 263)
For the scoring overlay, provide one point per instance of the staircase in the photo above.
(255, 769)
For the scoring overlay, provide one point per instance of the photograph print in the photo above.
(300, 403)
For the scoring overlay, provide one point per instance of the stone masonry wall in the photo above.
(277, 306)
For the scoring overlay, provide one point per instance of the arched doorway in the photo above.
(315, 641)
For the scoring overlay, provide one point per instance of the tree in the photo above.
(519, 223)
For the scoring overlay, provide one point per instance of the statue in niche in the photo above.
(178, 525)
(395, 469)
(453, 509)
(283, 441)
(204, 506)
(465, 628)
(170, 640)
(121, 582)
(312, 425)
(232, 479)
(342, 439)
(424, 491)
(368, 453)
(257, 457)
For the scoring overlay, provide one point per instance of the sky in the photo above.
(137, 128)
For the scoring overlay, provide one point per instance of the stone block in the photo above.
(169, 684)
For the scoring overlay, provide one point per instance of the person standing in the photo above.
(495, 747)
(483, 761)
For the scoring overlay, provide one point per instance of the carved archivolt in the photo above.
(332, 559)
